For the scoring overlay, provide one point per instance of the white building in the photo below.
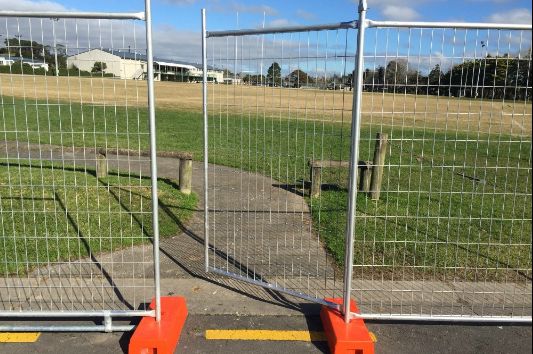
(232, 81)
(133, 66)
(6, 62)
(124, 65)
(35, 64)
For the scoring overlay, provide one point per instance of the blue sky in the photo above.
(184, 14)
(177, 22)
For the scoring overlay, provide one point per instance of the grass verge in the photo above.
(53, 213)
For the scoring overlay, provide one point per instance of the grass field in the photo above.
(81, 216)
(421, 112)
(456, 199)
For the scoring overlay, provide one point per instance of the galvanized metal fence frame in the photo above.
(361, 25)
(210, 248)
(365, 24)
(106, 315)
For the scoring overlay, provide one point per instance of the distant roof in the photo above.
(25, 60)
(132, 55)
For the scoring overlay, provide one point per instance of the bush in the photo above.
(19, 68)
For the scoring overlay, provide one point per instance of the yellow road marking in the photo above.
(19, 337)
(265, 335)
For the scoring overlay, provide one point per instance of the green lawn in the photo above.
(434, 218)
(80, 215)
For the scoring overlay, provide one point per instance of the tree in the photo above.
(228, 73)
(99, 67)
(396, 73)
(299, 78)
(274, 75)
(253, 80)
(434, 79)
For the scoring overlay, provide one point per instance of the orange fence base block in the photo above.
(151, 337)
(351, 338)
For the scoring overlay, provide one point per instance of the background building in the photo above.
(133, 66)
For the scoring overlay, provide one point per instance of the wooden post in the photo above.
(185, 176)
(101, 165)
(179, 168)
(365, 175)
(316, 180)
(380, 153)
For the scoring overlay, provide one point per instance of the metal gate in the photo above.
(78, 215)
(386, 162)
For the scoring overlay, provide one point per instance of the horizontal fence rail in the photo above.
(279, 30)
(451, 25)
(75, 15)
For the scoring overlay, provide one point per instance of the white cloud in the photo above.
(511, 16)
(280, 22)
(242, 8)
(30, 5)
(396, 10)
(306, 15)
(399, 13)
(181, 2)
(492, 1)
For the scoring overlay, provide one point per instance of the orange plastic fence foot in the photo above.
(351, 338)
(151, 337)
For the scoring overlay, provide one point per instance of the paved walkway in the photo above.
(259, 231)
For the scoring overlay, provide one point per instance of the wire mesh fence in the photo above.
(449, 231)
(285, 107)
(76, 214)
(443, 209)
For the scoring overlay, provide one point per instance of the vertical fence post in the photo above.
(380, 152)
(101, 164)
(316, 180)
(153, 157)
(206, 142)
(185, 175)
(365, 175)
(357, 83)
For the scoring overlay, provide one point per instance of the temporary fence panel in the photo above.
(437, 204)
(281, 114)
(78, 221)
(445, 118)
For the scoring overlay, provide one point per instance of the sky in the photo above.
(222, 14)
(176, 23)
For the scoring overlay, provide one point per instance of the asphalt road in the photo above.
(391, 338)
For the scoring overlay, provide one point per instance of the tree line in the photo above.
(492, 77)
(16, 47)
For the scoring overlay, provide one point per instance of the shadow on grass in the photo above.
(89, 251)
(497, 262)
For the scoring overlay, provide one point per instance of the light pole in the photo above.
(483, 45)
(55, 44)
(18, 36)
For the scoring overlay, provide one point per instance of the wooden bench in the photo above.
(184, 164)
(365, 173)
(370, 172)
